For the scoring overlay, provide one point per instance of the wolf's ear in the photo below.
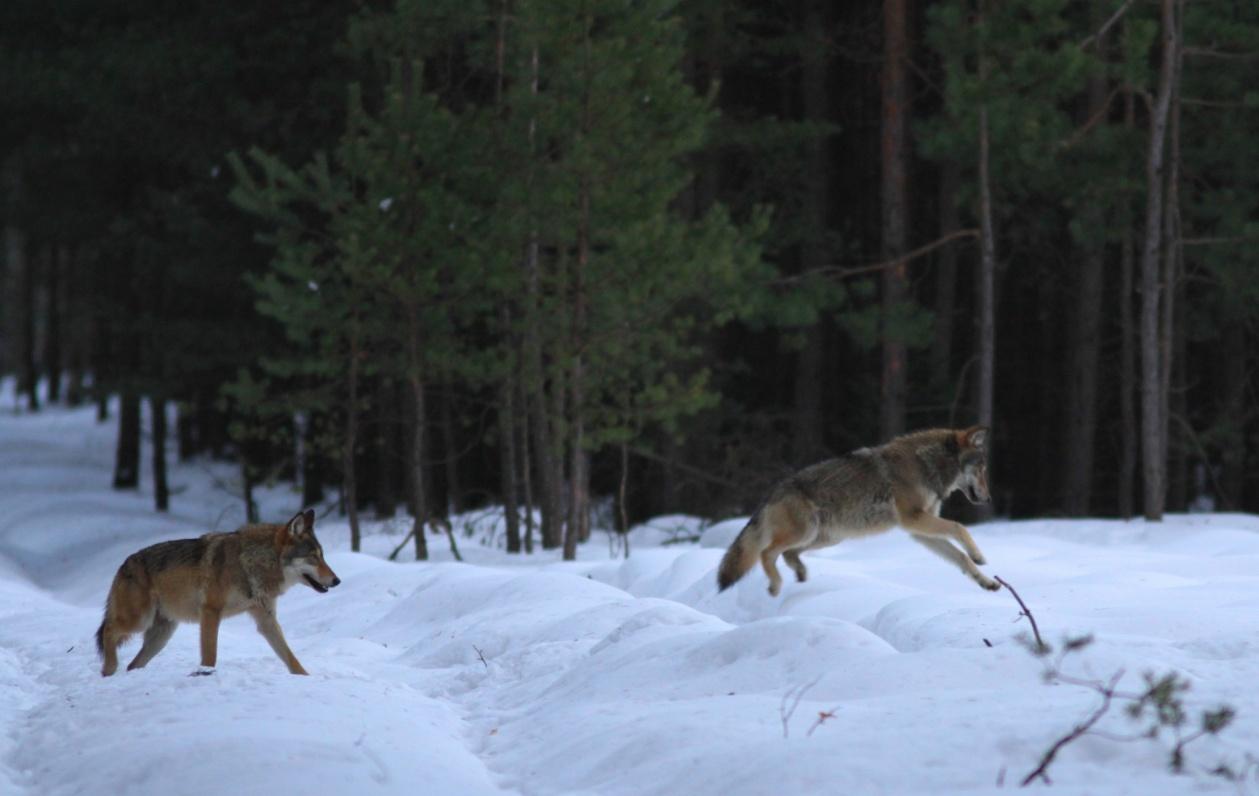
(975, 437)
(303, 522)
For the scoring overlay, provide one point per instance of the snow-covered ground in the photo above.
(603, 676)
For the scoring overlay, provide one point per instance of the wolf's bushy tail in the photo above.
(740, 557)
(100, 636)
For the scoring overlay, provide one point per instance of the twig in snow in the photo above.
(1041, 646)
(481, 655)
(1162, 696)
(791, 701)
(822, 717)
(1108, 694)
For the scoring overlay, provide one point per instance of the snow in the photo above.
(510, 674)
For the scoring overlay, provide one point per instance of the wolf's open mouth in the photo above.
(314, 584)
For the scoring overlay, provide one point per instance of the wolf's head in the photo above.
(972, 461)
(301, 555)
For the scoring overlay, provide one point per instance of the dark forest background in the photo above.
(639, 256)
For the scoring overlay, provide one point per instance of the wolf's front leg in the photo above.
(926, 524)
(264, 618)
(942, 548)
(210, 618)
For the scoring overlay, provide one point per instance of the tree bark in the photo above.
(1084, 321)
(29, 382)
(55, 284)
(1127, 351)
(508, 483)
(946, 283)
(987, 283)
(579, 469)
(312, 465)
(1233, 350)
(1153, 416)
(127, 452)
(541, 427)
(247, 488)
(1170, 346)
(386, 491)
(450, 441)
(349, 479)
(807, 428)
(894, 198)
(522, 451)
(161, 491)
(419, 491)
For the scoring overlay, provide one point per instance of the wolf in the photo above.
(865, 492)
(208, 578)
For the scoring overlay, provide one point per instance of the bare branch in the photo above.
(1040, 643)
(848, 272)
(1097, 37)
(1108, 694)
(686, 468)
(1206, 103)
(1206, 52)
(1197, 443)
(1079, 134)
(1216, 241)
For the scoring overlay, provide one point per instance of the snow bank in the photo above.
(516, 675)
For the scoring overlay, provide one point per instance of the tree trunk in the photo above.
(544, 429)
(247, 487)
(946, 283)
(386, 458)
(1153, 417)
(77, 328)
(894, 199)
(161, 492)
(418, 454)
(1233, 350)
(349, 480)
(450, 441)
(579, 467)
(807, 439)
(507, 444)
(1084, 321)
(29, 382)
(127, 453)
(987, 283)
(312, 462)
(522, 454)
(1127, 352)
(56, 265)
(1171, 346)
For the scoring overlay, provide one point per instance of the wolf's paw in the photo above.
(990, 585)
(774, 588)
(202, 671)
(978, 558)
(802, 575)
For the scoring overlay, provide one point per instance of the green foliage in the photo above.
(1159, 707)
(415, 228)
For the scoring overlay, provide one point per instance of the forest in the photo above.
(601, 260)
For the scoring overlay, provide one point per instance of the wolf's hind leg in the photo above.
(948, 552)
(129, 609)
(154, 639)
(792, 557)
(768, 557)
